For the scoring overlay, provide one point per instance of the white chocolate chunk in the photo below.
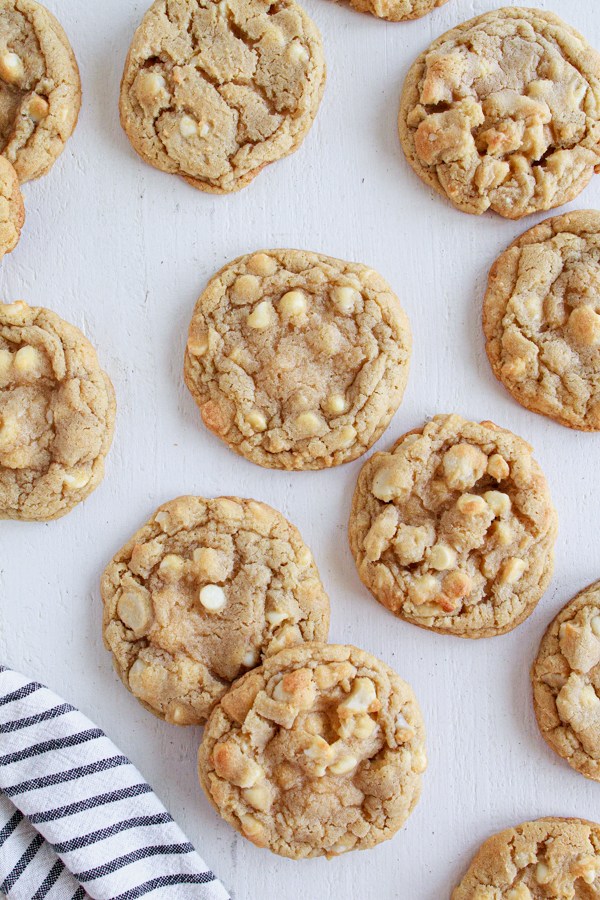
(212, 597)
(344, 765)
(261, 317)
(250, 658)
(38, 109)
(262, 264)
(336, 405)
(256, 421)
(542, 873)
(27, 361)
(172, 566)
(76, 480)
(188, 127)
(135, 609)
(471, 505)
(11, 68)
(442, 557)
(150, 85)
(258, 797)
(520, 892)
(498, 502)
(297, 51)
(308, 423)
(463, 466)
(198, 344)
(346, 299)
(419, 762)
(292, 304)
(250, 825)
(512, 570)
(595, 623)
(497, 467)
(364, 726)
(276, 616)
(361, 699)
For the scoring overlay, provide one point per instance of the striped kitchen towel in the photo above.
(77, 819)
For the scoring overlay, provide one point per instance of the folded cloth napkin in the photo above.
(76, 818)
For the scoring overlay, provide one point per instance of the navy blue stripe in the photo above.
(37, 749)
(142, 853)
(79, 894)
(55, 713)
(22, 692)
(91, 802)
(165, 881)
(60, 777)
(10, 826)
(20, 867)
(95, 836)
(50, 880)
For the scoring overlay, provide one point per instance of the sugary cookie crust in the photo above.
(318, 752)
(297, 360)
(206, 590)
(566, 683)
(541, 318)
(503, 112)
(550, 857)
(12, 210)
(57, 414)
(40, 89)
(397, 10)
(215, 90)
(454, 529)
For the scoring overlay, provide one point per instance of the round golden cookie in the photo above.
(216, 90)
(541, 318)
(566, 683)
(549, 858)
(40, 90)
(454, 528)
(57, 415)
(296, 360)
(206, 590)
(397, 10)
(503, 113)
(12, 210)
(317, 752)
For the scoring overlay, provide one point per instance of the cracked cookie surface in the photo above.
(454, 529)
(397, 10)
(550, 857)
(215, 90)
(205, 591)
(40, 89)
(297, 360)
(541, 318)
(12, 210)
(317, 752)
(566, 683)
(57, 414)
(503, 113)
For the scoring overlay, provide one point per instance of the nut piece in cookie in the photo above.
(205, 591)
(297, 360)
(317, 752)
(551, 857)
(40, 90)
(214, 91)
(12, 210)
(541, 318)
(57, 415)
(503, 113)
(566, 683)
(454, 529)
(397, 10)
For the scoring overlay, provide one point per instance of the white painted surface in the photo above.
(123, 251)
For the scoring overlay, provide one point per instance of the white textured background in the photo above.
(123, 251)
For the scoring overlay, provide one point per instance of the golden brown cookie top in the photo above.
(541, 318)
(214, 90)
(566, 683)
(317, 752)
(57, 414)
(206, 590)
(297, 360)
(454, 529)
(40, 90)
(503, 112)
(397, 10)
(12, 210)
(551, 857)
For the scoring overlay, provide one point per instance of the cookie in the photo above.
(317, 752)
(503, 113)
(57, 415)
(397, 10)
(541, 318)
(566, 683)
(296, 360)
(40, 90)
(206, 590)
(454, 528)
(215, 90)
(12, 210)
(551, 857)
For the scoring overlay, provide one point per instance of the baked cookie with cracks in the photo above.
(397, 10)
(12, 210)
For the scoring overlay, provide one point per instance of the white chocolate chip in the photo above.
(246, 289)
(250, 825)
(27, 361)
(292, 304)
(150, 85)
(276, 617)
(135, 609)
(256, 421)
(172, 566)
(308, 423)
(162, 518)
(250, 659)
(261, 317)
(344, 765)
(419, 762)
(262, 264)
(497, 467)
(258, 797)
(346, 299)
(423, 589)
(198, 344)
(595, 623)
(361, 699)
(442, 557)
(521, 892)
(212, 597)
(188, 127)
(471, 505)
(11, 68)
(297, 51)
(542, 873)
(336, 404)
(498, 502)
(364, 726)
(76, 480)
(512, 570)
(38, 109)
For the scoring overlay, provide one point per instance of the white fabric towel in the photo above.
(76, 818)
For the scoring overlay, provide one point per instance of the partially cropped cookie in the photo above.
(215, 90)
(397, 10)
(541, 318)
(206, 590)
(503, 113)
(317, 752)
(40, 90)
(57, 415)
(454, 529)
(548, 858)
(566, 683)
(12, 210)
(296, 360)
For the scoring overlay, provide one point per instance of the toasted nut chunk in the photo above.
(503, 533)
(326, 676)
(424, 589)
(442, 557)
(579, 646)
(498, 502)
(296, 688)
(361, 699)
(463, 466)
(457, 585)
(381, 533)
(512, 570)
(583, 326)
(393, 481)
(292, 304)
(212, 597)
(498, 467)
(412, 541)
(262, 317)
(232, 765)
